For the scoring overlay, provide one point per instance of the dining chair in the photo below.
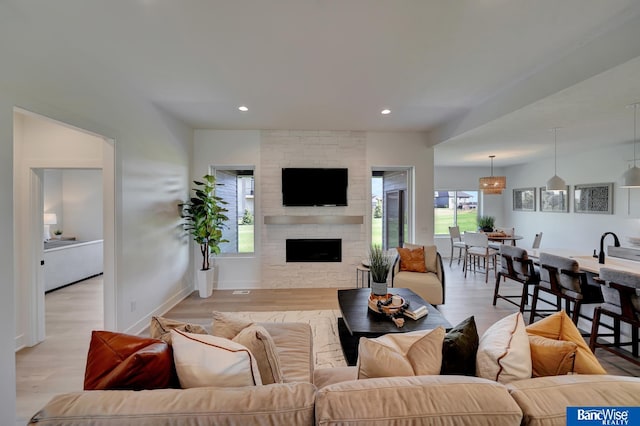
(621, 302)
(515, 265)
(456, 243)
(537, 240)
(561, 277)
(478, 248)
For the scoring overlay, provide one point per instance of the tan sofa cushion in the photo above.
(293, 346)
(327, 376)
(160, 328)
(426, 285)
(419, 400)
(544, 400)
(294, 343)
(401, 354)
(277, 404)
(260, 343)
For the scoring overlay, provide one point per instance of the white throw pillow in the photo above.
(204, 360)
(503, 353)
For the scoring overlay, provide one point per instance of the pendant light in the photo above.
(631, 178)
(492, 184)
(556, 183)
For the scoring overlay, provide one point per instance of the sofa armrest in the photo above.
(440, 274)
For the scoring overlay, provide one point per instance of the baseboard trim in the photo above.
(143, 324)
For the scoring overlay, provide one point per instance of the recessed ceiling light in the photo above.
(243, 108)
(385, 111)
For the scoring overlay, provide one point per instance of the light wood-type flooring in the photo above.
(57, 365)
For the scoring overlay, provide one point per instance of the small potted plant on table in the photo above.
(486, 223)
(379, 265)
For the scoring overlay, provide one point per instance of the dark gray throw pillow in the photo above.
(459, 349)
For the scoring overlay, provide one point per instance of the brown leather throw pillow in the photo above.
(412, 260)
(123, 361)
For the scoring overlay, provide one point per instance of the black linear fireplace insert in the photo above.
(314, 250)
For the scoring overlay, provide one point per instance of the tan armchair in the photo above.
(428, 285)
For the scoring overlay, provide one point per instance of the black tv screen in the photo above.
(314, 187)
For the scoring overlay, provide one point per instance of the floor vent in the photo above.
(241, 292)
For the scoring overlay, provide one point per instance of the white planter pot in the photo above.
(205, 282)
(379, 289)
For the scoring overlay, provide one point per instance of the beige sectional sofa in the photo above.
(333, 396)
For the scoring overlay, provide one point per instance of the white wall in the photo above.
(75, 196)
(577, 231)
(388, 149)
(52, 194)
(231, 148)
(82, 204)
(247, 148)
(7, 258)
(153, 153)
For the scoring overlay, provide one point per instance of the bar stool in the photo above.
(561, 277)
(515, 265)
(621, 303)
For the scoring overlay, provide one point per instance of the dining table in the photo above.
(503, 239)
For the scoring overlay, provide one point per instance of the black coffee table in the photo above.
(358, 321)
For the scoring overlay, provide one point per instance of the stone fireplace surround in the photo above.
(281, 149)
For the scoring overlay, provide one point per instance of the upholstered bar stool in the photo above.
(478, 248)
(621, 294)
(515, 265)
(561, 277)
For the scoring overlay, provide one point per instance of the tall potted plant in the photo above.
(205, 217)
(379, 265)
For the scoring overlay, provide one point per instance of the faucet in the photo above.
(616, 242)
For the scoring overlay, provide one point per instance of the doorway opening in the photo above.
(391, 221)
(42, 145)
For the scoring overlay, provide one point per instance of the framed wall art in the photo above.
(554, 201)
(594, 198)
(524, 199)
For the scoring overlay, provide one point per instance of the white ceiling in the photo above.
(485, 76)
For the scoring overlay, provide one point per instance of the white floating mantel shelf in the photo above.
(313, 220)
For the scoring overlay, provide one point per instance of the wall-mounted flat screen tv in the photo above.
(314, 187)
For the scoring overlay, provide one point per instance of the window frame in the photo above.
(455, 210)
(213, 169)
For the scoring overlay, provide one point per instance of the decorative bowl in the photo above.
(382, 304)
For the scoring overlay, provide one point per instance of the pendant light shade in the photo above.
(556, 183)
(631, 178)
(492, 184)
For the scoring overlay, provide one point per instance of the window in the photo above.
(237, 188)
(453, 208)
